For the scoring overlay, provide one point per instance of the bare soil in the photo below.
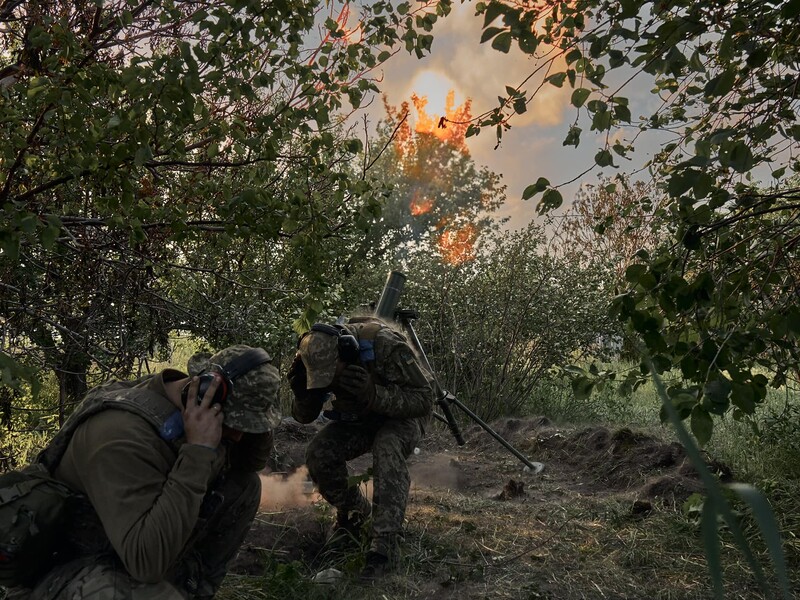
(603, 519)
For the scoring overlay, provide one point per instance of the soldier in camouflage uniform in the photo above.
(381, 401)
(168, 489)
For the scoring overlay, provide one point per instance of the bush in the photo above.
(492, 327)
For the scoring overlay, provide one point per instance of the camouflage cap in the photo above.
(320, 353)
(252, 405)
(198, 363)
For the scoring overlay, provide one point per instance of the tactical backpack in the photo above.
(35, 507)
(32, 518)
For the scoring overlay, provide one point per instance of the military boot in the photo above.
(383, 558)
(348, 530)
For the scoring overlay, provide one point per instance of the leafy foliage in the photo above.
(144, 145)
(493, 327)
(609, 223)
(719, 302)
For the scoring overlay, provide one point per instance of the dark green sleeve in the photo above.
(147, 500)
(306, 409)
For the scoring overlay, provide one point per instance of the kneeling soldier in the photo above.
(382, 401)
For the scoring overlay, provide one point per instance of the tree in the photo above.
(609, 223)
(719, 303)
(138, 138)
(437, 199)
(495, 325)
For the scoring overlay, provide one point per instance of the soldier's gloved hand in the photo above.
(355, 381)
(296, 375)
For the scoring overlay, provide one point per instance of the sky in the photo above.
(532, 148)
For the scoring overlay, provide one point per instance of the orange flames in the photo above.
(455, 244)
(450, 128)
(458, 246)
(420, 206)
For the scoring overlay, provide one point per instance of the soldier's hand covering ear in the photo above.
(296, 375)
(354, 380)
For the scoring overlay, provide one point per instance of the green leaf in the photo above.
(744, 397)
(741, 158)
(535, 188)
(702, 185)
(683, 401)
(714, 490)
(573, 55)
(502, 42)
(493, 10)
(353, 146)
(528, 42)
(622, 113)
(634, 272)
(143, 154)
(490, 32)
(579, 96)
(709, 525)
(557, 79)
(721, 84)
(601, 120)
(14, 373)
(51, 231)
(582, 387)
(604, 158)
(790, 9)
(770, 531)
(717, 392)
(702, 425)
(573, 136)
(681, 182)
(550, 201)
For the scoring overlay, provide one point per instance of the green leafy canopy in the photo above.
(717, 301)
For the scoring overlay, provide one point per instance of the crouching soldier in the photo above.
(381, 401)
(165, 471)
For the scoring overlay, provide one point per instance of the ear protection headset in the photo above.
(347, 344)
(247, 361)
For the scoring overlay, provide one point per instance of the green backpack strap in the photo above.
(130, 396)
(18, 489)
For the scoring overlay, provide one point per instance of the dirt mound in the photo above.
(604, 461)
(598, 459)
(619, 459)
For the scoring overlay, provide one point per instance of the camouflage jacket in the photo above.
(403, 387)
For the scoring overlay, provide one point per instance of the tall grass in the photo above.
(761, 447)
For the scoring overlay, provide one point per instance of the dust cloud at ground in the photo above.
(279, 491)
(438, 472)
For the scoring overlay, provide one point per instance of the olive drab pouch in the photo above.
(33, 509)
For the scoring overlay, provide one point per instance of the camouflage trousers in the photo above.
(228, 511)
(391, 442)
